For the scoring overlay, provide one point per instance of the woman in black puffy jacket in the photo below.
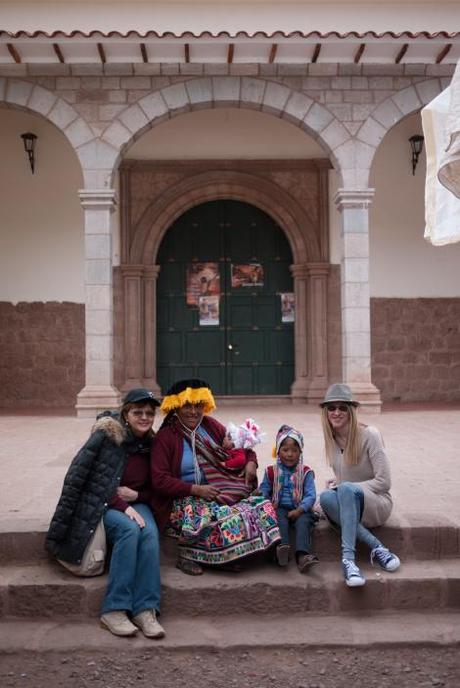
(109, 478)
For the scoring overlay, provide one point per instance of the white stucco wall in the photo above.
(41, 220)
(225, 133)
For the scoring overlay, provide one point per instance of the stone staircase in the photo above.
(421, 599)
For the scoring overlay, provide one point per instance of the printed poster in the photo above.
(287, 307)
(247, 275)
(202, 279)
(208, 310)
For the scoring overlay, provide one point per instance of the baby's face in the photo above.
(227, 442)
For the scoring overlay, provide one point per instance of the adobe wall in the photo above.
(416, 349)
(42, 354)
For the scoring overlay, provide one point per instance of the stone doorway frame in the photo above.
(292, 192)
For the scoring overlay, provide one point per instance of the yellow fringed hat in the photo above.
(191, 391)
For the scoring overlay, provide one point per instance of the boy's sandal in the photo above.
(189, 567)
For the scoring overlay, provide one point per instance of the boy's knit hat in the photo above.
(283, 433)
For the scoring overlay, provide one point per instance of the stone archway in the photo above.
(307, 233)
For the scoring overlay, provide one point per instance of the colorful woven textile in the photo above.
(211, 533)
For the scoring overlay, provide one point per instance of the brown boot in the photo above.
(305, 561)
(282, 555)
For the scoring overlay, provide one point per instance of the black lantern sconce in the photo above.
(416, 144)
(29, 141)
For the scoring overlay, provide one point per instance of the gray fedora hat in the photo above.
(339, 392)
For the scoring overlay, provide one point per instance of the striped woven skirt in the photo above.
(212, 533)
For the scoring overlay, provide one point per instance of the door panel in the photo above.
(250, 351)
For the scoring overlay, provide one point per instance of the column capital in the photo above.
(318, 269)
(152, 271)
(299, 270)
(98, 199)
(353, 198)
(132, 270)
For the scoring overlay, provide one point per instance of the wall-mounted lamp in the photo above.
(416, 144)
(29, 141)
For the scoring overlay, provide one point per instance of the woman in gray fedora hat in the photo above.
(358, 496)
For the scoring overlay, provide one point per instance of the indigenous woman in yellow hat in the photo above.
(206, 505)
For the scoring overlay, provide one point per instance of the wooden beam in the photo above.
(145, 57)
(230, 53)
(101, 51)
(59, 53)
(401, 53)
(443, 53)
(14, 53)
(187, 52)
(359, 53)
(316, 52)
(273, 51)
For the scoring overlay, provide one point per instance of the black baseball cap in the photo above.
(140, 394)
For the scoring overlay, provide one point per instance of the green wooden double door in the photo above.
(224, 276)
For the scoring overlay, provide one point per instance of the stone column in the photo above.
(133, 289)
(356, 331)
(98, 392)
(317, 326)
(151, 273)
(299, 389)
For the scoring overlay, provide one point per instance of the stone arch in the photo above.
(41, 101)
(278, 204)
(254, 93)
(307, 238)
(356, 156)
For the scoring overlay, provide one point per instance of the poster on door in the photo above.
(287, 307)
(208, 310)
(247, 275)
(202, 279)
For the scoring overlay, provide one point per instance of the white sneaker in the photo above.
(386, 559)
(353, 576)
(118, 623)
(147, 622)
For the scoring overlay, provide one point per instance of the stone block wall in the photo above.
(416, 349)
(42, 354)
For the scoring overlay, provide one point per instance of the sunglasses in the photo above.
(343, 408)
(141, 414)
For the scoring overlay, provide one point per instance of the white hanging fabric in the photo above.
(441, 128)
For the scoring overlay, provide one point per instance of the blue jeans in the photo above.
(344, 507)
(302, 527)
(134, 573)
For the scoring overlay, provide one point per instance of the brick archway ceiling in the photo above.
(76, 47)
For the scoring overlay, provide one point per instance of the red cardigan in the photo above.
(166, 460)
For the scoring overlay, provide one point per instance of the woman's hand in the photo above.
(250, 473)
(331, 484)
(135, 516)
(127, 494)
(206, 492)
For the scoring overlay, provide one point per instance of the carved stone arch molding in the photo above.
(155, 194)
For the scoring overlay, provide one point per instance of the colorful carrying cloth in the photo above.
(209, 456)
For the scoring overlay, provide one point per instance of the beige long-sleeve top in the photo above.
(372, 473)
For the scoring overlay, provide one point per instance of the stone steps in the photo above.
(210, 634)
(261, 589)
(411, 537)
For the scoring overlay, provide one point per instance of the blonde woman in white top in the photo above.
(358, 497)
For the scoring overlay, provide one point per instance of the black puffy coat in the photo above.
(89, 485)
